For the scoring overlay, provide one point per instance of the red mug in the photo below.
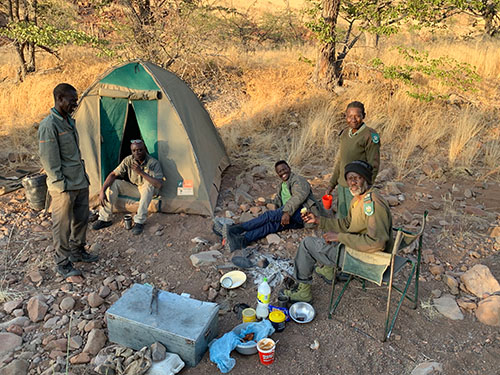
(327, 201)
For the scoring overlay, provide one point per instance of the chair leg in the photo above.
(417, 273)
(333, 284)
(337, 301)
(332, 294)
(388, 329)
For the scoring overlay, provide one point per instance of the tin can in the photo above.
(277, 319)
(127, 221)
(248, 315)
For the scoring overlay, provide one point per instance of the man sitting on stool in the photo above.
(145, 176)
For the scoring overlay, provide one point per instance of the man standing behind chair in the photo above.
(357, 142)
(145, 176)
(367, 228)
(67, 182)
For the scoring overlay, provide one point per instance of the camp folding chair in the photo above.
(381, 268)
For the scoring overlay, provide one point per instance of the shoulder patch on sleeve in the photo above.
(368, 207)
(375, 138)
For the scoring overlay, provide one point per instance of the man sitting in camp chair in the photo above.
(145, 176)
(367, 228)
(293, 194)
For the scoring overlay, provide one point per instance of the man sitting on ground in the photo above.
(367, 228)
(145, 176)
(294, 193)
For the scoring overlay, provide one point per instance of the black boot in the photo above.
(232, 240)
(236, 229)
(67, 270)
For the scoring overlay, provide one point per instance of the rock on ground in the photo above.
(205, 258)
(80, 358)
(448, 307)
(9, 342)
(67, 303)
(16, 367)
(36, 309)
(273, 238)
(12, 305)
(479, 281)
(427, 368)
(20, 320)
(488, 311)
(95, 342)
(95, 300)
(158, 352)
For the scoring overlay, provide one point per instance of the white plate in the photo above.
(237, 277)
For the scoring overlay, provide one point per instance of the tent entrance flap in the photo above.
(113, 113)
(130, 132)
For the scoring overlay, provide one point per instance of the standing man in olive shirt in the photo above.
(67, 182)
(367, 228)
(357, 142)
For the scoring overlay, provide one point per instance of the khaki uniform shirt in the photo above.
(150, 165)
(302, 195)
(362, 145)
(368, 225)
(60, 154)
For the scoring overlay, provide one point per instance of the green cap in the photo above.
(265, 279)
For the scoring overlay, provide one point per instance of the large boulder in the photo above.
(488, 311)
(479, 281)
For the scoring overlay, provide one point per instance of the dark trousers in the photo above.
(70, 215)
(270, 222)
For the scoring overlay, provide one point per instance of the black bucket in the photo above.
(35, 188)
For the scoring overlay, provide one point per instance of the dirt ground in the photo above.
(349, 343)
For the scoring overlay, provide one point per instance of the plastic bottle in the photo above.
(263, 297)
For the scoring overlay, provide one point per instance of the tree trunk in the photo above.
(31, 63)
(21, 73)
(372, 40)
(328, 71)
(489, 13)
(30, 48)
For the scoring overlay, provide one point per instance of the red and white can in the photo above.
(266, 348)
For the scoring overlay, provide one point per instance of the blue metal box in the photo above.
(184, 325)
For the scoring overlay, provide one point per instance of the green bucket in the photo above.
(35, 188)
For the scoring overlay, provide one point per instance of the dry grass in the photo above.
(22, 105)
(464, 147)
(266, 107)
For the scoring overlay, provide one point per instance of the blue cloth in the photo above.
(261, 330)
(221, 348)
(270, 222)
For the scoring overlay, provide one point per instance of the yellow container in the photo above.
(248, 315)
(277, 319)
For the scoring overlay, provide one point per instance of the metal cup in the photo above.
(283, 301)
(127, 222)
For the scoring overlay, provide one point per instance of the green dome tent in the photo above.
(140, 100)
